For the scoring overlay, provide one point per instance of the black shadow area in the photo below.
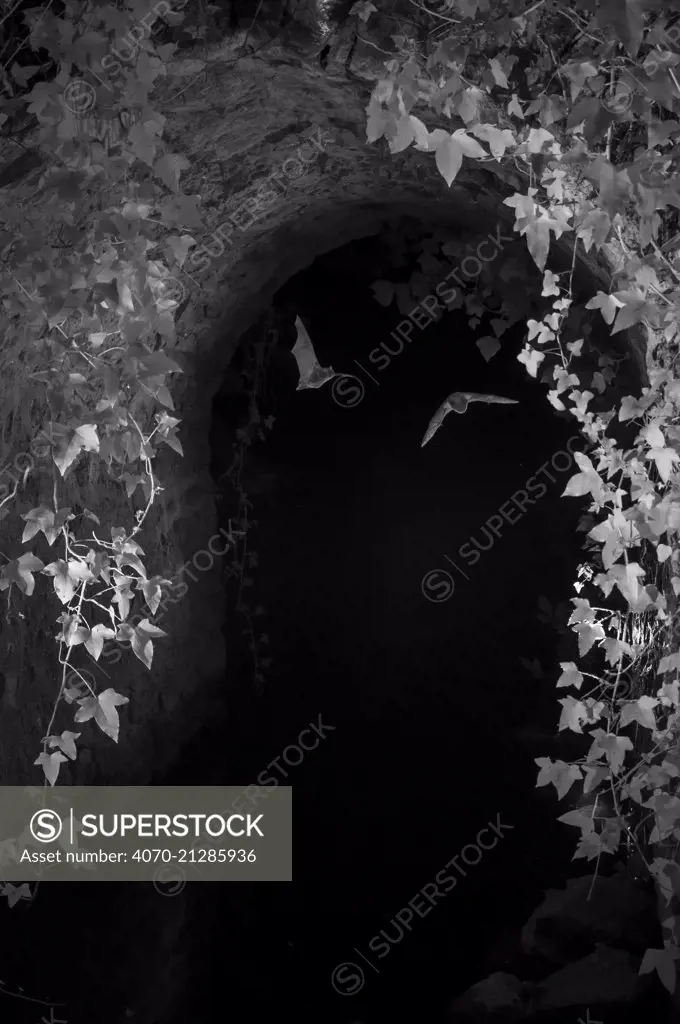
(396, 620)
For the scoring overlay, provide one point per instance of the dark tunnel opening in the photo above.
(429, 698)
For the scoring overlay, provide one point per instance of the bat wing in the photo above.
(472, 396)
(312, 374)
(436, 422)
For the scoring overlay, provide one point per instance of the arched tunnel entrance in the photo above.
(399, 622)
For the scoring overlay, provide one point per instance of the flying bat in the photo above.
(458, 402)
(312, 373)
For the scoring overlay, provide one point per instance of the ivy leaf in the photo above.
(434, 139)
(20, 571)
(106, 715)
(669, 663)
(468, 105)
(50, 764)
(581, 817)
(378, 119)
(488, 346)
(607, 305)
(588, 633)
(537, 139)
(22, 74)
(152, 592)
(615, 650)
(147, 627)
(98, 636)
(67, 577)
(573, 713)
(613, 747)
(593, 845)
(181, 211)
(72, 443)
(625, 577)
(594, 776)
(43, 518)
(538, 241)
(449, 157)
(498, 139)
(578, 74)
(626, 18)
(663, 962)
(179, 246)
(404, 136)
(383, 291)
(66, 742)
(127, 557)
(641, 711)
(588, 481)
(169, 436)
(144, 138)
(73, 633)
(364, 9)
(141, 643)
(15, 893)
(664, 459)
(559, 773)
(550, 284)
(103, 710)
(498, 73)
(599, 382)
(633, 312)
(157, 363)
(594, 229)
(666, 810)
(534, 668)
(652, 435)
(515, 107)
(532, 359)
(469, 146)
(169, 169)
(540, 330)
(631, 408)
(570, 675)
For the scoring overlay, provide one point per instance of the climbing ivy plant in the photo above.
(88, 297)
(518, 96)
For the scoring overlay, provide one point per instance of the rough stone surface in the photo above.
(608, 977)
(498, 998)
(572, 920)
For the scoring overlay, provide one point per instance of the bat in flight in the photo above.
(458, 402)
(312, 373)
